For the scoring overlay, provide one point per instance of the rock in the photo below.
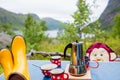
(5, 40)
(106, 18)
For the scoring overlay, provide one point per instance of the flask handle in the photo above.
(68, 46)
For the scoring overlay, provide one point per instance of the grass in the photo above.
(51, 46)
(114, 43)
(1, 70)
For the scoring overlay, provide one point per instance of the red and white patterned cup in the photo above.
(56, 60)
(47, 68)
(59, 74)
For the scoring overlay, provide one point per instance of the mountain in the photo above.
(106, 18)
(52, 23)
(17, 20)
(13, 18)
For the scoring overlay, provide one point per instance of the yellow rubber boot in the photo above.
(6, 61)
(20, 69)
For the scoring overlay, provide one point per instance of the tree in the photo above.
(33, 33)
(69, 34)
(116, 26)
(81, 16)
(7, 28)
(43, 25)
(95, 29)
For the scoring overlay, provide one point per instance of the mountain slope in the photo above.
(52, 23)
(17, 20)
(106, 18)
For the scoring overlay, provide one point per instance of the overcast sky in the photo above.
(57, 9)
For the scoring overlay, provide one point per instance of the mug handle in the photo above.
(50, 60)
(97, 64)
(65, 76)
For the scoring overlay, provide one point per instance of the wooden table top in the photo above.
(87, 76)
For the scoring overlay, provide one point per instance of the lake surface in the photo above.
(51, 33)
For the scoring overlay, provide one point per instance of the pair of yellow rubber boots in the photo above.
(14, 61)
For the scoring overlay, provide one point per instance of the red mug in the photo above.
(46, 68)
(59, 74)
(56, 60)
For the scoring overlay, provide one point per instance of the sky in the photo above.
(58, 9)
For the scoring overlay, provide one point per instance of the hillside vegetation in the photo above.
(17, 20)
(106, 19)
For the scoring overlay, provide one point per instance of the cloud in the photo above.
(57, 9)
